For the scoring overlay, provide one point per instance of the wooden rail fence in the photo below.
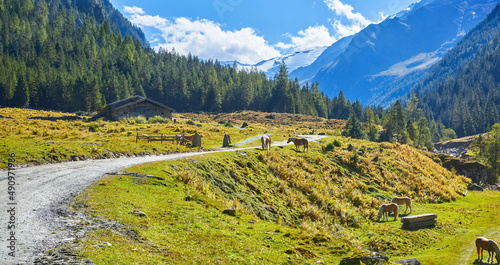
(155, 138)
(418, 221)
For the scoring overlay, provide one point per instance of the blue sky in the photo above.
(250, 31)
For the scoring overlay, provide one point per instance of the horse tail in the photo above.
(396, 212)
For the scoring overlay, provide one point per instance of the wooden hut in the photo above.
(133, 107)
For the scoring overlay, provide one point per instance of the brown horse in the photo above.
(402, 200)
(266, 142)
(298, 142)
(185, 138)
(489, 245)
(386, 208)
(178, 138)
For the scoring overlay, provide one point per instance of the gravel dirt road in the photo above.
(36, 220)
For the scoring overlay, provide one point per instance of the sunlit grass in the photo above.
(302, 195)
(37, 141)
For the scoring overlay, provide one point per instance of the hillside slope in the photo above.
(99, 11)
(320, 205)
(385, 60)
(463, 89)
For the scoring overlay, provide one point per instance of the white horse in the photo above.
(266, 142)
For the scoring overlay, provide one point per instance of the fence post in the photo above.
(136, 137)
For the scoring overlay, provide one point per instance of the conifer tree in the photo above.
(493, 151)
(353, 128)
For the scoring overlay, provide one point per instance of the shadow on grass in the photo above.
(479, 262)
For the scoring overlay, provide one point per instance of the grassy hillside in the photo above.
(294, 208)
(38, 141)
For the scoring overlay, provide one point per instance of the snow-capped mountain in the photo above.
(383, 61)
(293, 61)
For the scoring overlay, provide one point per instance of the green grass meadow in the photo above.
(177, 231)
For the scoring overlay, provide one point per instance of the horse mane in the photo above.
(381, 211)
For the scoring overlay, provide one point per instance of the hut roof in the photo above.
(124, 103)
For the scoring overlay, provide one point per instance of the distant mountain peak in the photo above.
(383, 61)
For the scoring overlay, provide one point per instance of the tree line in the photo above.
(404, 124)
(51, 59)
(48, 61)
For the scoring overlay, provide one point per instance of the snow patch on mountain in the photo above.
(293, 61)
(418, 62)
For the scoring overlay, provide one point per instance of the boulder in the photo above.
(196, 140)
(408, 262)
(473, 186)
(138, 213)
(227, 140)
(244, 125)
(230, 211)
(367, 258)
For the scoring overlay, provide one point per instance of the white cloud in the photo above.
(356, 21)
(134, 10)
(312, 37)
(206, 39)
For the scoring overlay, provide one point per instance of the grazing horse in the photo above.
(403, 200)
(185, 138)
(489, 245)
(298, 142)
(386, 208)
(178, 138)
(266, 142)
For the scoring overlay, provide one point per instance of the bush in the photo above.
(93, 128)
(337, 143)
(140, 120)
(230, 124)
(330, 147)
(158, 119)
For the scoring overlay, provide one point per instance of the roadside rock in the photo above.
(367, 258)
(139, 213)
(227, 140)
(230, 211)
(62, 255)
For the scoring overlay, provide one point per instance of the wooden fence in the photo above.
(155, 138)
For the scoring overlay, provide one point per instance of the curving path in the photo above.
(43, 193)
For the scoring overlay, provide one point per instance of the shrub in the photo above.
(230, 124)
(140, 120)
(158, 119)
(93, 128)
(330, 147)
(337, 143)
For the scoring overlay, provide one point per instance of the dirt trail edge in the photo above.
(42, 194)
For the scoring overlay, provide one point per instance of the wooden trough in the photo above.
(418, 221)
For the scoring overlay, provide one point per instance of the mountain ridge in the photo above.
(359, 71)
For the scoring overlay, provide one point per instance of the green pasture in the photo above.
(282, 220)
(38, 141)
